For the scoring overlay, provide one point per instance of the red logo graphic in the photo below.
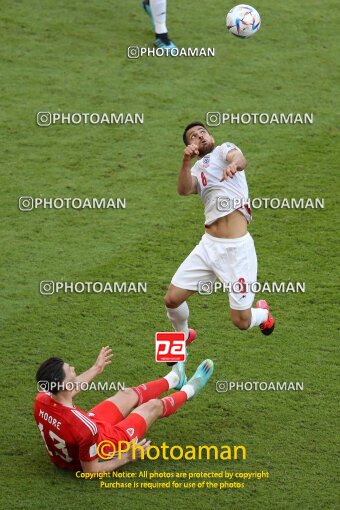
(243, 286)
(170, 346)
(130, 431)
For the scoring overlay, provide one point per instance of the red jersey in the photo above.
(69, 434)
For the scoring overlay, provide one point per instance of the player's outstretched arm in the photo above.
(237, 162)
(187, 184)
(104, 358)
(95, 466)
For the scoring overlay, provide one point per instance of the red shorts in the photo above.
(113, 426)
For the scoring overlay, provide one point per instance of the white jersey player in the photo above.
(226, 250)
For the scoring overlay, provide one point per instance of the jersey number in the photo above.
(58, 443)
(204, 179)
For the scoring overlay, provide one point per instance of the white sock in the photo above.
(179, 318)
(258, 315)
(189, 390)
(158, 9)
(172, 378)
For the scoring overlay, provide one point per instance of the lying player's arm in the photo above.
(237, 162)
(187, 184)
(103, 359)
(95, 466)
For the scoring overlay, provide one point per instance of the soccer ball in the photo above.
(243, 21)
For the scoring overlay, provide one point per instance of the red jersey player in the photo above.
(71, 435)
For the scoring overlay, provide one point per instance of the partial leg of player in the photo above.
(177, 308)
(259, 316)
(126, 400)
(161, 408)
(156, 10)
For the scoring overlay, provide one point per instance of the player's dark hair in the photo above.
(51, 371)
(189, 126)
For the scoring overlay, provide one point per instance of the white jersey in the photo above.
(221, 198)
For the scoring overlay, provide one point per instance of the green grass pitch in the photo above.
(71, 57)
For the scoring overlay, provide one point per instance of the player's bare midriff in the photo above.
(232, 226)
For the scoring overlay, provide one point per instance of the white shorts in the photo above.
(233, 261)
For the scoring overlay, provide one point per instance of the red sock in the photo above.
(151, 390)
(173, 402)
